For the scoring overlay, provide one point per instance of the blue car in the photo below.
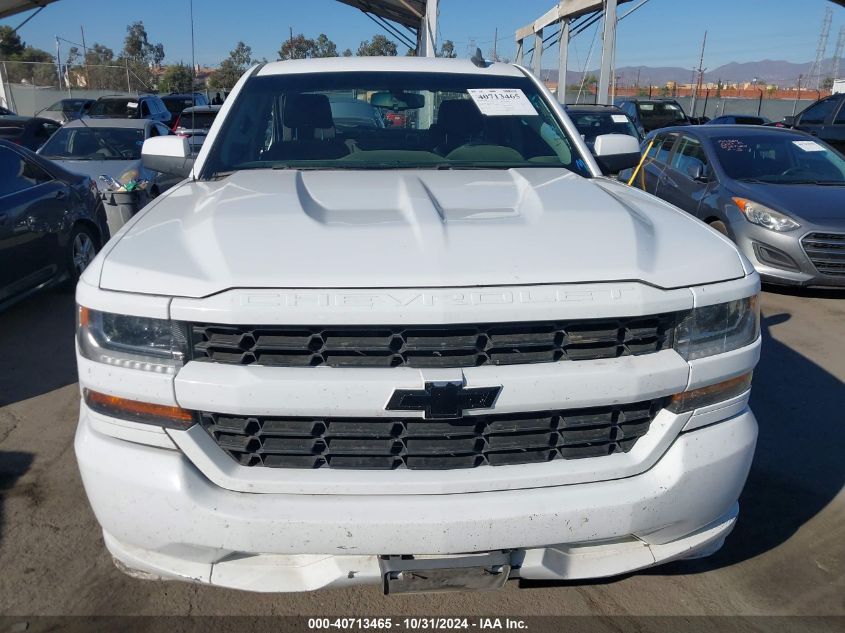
(778, 193)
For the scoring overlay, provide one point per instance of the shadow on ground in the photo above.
(798, 467)
(36, 337)
(13, 465)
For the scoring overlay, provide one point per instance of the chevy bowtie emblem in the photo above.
(443, 399)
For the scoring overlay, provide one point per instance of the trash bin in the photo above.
(122, 205)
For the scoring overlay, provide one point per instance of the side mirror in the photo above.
(789, 121)
(615, 152)
(698, 172)
(168, 155)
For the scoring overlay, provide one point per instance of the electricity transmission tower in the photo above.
(816, 74)
(837, 56)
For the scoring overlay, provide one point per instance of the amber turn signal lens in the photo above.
(136, 411)
(711, 394)
(84, 318)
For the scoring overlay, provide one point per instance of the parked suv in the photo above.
(176, 103)
(140, 107)
(825, 119)
(653, 114)
(433, 357)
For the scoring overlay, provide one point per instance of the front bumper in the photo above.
(747, 235)
(161, 516)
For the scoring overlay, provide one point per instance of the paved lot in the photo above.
(786, 556)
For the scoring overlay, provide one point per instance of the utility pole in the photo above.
(85, 59)
(798, 96)
(496, 45)
(701, 70)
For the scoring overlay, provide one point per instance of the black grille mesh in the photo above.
(827, 252)
(431, 346)
(414, 443)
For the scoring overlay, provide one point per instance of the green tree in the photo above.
(138, 48)
(10, 43)
(177, 78)
(324, 47)
(301, 47)
(241, 56)
(297, 47)
(347, 52)
(447, 49)
(379, 46)
(827, 83)
(231, 69)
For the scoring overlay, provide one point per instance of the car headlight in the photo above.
(718, 328)
(761, 215)
(155, 345)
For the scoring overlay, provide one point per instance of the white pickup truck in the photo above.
(430, 356)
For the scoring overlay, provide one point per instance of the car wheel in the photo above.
(82, 248)
(720, 226)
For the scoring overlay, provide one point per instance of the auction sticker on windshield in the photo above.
(808, 146)
(502, 102)
(619, 118)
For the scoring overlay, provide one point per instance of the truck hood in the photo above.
(411, 229)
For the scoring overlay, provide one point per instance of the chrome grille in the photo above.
(431, 346)
(827, 252)
(414, 443)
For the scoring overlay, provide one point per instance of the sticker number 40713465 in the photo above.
(502, 102)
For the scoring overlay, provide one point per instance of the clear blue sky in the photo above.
(661, 33)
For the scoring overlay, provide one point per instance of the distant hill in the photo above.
(769, 71)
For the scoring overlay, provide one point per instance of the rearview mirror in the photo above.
(168, 155)
(398, 102)
(615, 152)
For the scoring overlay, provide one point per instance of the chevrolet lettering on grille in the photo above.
(442, 400)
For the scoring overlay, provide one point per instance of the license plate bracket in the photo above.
(432, 574)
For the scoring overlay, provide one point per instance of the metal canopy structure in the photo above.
(564, 14)
(419, 16)
(9, 8)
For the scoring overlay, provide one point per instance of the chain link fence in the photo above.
(27, 87)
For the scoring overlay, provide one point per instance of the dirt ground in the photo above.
(786, 556)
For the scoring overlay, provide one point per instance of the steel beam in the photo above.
(563, 60)
(428, 31)
(537, 57)
(608, 52)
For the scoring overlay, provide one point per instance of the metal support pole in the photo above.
(607, 53)
(520, 52)
(428, 30)
(537, 58)
(563, 61)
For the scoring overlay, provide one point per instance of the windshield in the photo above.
(175, 105)
(66, 105)
(449, 121)
(115, 108)
(594, 124)
(197, 120)
(779, 158)
(662, 111)
(87, 143)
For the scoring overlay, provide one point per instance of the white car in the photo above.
(432, 357)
